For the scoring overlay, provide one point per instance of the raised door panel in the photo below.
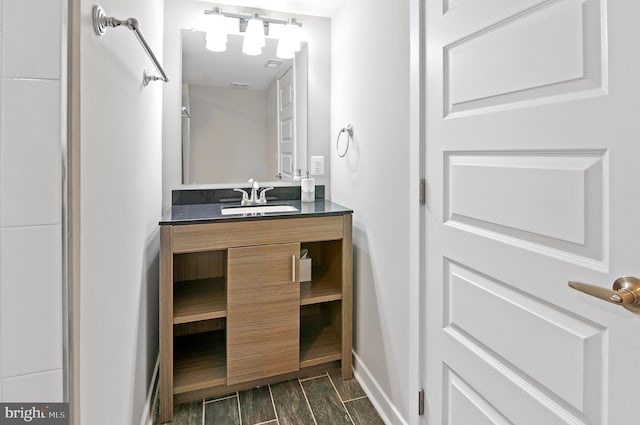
(263, 317)
(547, 52)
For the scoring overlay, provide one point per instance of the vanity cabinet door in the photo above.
(263, 311)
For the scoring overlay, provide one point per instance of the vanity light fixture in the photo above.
(216, 38)
(254, 28)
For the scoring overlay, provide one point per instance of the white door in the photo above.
(533, 172)
(286, 129)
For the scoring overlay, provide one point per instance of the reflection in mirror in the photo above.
(242, 116)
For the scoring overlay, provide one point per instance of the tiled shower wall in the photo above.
(31, 136)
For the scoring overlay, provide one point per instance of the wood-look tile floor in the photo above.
(324, 399)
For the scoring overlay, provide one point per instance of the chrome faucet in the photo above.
(254, 199)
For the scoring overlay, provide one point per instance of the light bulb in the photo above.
(285, 49)
(215, 44)
(294, 34)
(253, 37)
(216, 38)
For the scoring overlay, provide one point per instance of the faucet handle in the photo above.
(254, 183)
(245, 195)
(263, 197)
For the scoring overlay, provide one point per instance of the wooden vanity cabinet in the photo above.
(233, 313)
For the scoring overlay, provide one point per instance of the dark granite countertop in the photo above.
(211, 212)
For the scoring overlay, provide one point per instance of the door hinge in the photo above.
(421, 402)
(423, 191)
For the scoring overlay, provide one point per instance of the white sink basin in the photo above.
(257, 209)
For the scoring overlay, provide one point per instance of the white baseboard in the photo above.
(388, 412)
(151, 403)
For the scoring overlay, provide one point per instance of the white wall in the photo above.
(181, 14)
(370, 71)
(229, 135)
(121, 202)
(31, 135)
(319, 93)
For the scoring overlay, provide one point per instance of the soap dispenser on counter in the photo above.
(308, 189)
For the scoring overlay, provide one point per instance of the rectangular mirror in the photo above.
(242, 116)
(193, 158)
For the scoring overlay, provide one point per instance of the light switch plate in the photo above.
(317, 165)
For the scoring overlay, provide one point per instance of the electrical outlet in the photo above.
(317, 165)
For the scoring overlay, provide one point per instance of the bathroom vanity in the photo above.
(233, 312)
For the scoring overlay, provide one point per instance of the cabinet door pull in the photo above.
(293, 268)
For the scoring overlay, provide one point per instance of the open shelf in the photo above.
(320, 340)
(199, 362)
(319, 345)
(326, 273)
(201, 299)
(320, 291)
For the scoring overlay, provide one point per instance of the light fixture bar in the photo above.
(246, 17)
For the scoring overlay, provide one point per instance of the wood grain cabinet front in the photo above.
(233, 313)
(263, 319)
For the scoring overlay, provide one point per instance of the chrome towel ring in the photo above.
(349, 131)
